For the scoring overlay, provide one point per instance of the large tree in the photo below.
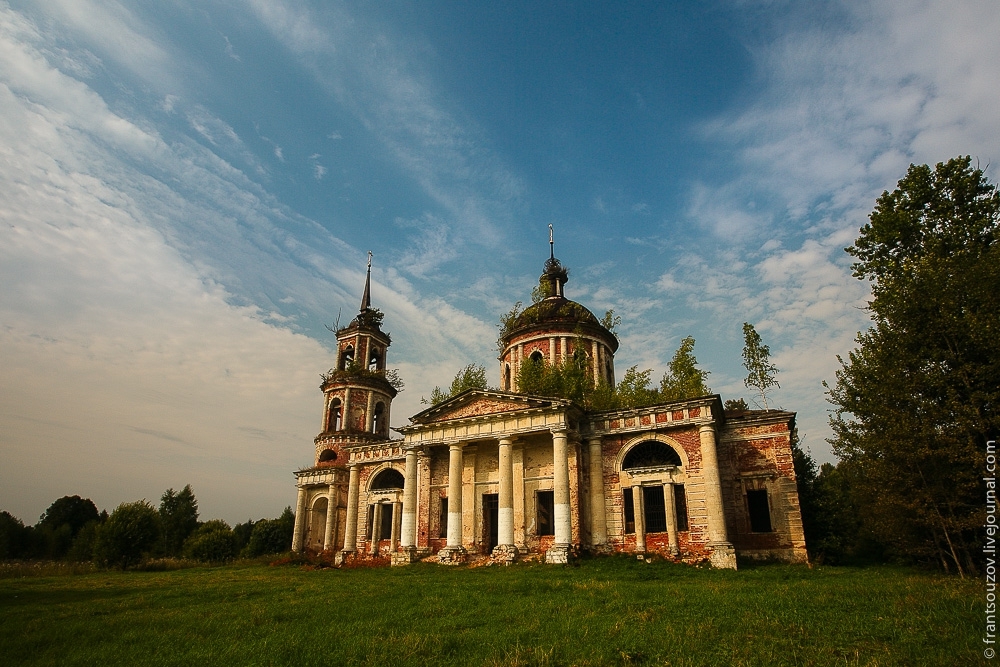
(179, 517)
(916, 401)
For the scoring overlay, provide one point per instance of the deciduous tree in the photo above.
(757, 360)
(683, 378)
(917, 399)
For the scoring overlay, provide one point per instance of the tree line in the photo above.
(72, 529)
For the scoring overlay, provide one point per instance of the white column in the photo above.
(639, 511)
(376, 528)
(331, 513)
(351, 524)
(560, 484)
(723, 555)
(598, 518)
(455, 496)
(397, 509)
(552, 350)
(300, 519)
(505, 513)
(409, 526)
(668, 504)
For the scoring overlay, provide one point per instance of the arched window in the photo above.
(327, 455)
(387, 479)
(581, 358)
(375, 360)
(649, 454)
(536, 357)
(346, 357)
(378, 420)
(335, 421)
(506, 377)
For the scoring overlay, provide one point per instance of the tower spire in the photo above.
(366, 298)
(552, 244)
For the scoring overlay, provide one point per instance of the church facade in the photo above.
(504, 474)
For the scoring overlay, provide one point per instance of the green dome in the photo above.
(554, 310)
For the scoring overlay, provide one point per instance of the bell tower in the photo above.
(358, 396)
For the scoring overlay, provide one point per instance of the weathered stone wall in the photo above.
(755, 454)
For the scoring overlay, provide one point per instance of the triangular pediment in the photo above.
(479, 403)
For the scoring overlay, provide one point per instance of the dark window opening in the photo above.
(629, 511)
(371, 520)
(581, 358)
(491, 520)
(536, 357)
(545, 508)
(346, 357)
(760, 512)
(388, 479)
(327, 455)
(335, 422)
(385, 529)
(378, 421)
(680, 504)
(651, 453)
(443, 519)
(375, 360)
(654, 509)
(506, 377)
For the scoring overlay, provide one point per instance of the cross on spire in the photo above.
(552, 244)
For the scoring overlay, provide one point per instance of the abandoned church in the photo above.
(509, 475)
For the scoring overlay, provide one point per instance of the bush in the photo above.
(213, 542)
(82, 549)
(272, 536)
(14, 537)
(128, 535)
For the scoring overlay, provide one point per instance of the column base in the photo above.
(504, 554)
(559, 554)
(723, 556)
(453, 556)
(405, 556)
(342, 556)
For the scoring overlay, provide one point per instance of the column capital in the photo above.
(563, 431)
(594, 440)
(507, 440)
(706, 427)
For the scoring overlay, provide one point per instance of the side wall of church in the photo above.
(758, 457)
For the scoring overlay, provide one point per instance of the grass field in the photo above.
(610, 611)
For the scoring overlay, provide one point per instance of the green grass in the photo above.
(611, 611)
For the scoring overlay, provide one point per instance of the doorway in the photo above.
(491, 520)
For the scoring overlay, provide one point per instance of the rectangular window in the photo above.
(544, 505)
(654, 508)
(760, 512)
(681, 506)
(371, 518)
(443, 519)
(385, 533)
(629, 511)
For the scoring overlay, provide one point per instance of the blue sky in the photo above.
(188, 192)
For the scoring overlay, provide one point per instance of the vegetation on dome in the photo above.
(355, 370)
(547, 310)
(369, 317)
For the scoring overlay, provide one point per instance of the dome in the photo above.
(552, 310)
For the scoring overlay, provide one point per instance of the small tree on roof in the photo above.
(757, 360)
